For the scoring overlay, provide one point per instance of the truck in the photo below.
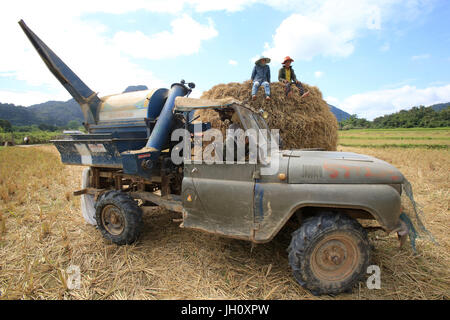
(127, 152)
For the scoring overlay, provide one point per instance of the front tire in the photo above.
(329, 253)
(118, 217)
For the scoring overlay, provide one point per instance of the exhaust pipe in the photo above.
(88, 99)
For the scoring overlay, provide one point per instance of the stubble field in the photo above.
(42, 233)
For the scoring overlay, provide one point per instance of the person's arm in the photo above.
(281, 75)
(253, 73)
(293, 76)
(268, 74)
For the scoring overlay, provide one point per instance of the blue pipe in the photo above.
(163, 126)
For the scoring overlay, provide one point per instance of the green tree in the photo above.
(73, 125)
(47, 127)
(5, 125)
(353, 122)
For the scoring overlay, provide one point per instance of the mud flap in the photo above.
(407, 230)
(411, 222)
(87, 200)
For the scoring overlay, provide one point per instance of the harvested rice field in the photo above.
(42, 234)
(429, 138)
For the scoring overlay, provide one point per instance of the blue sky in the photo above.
(368, 57)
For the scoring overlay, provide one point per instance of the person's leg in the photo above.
(300, 86)
(266, 88)
(287, 88)
(255, 88)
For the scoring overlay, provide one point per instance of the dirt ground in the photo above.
(42, 233)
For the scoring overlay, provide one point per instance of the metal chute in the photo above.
(87, 98)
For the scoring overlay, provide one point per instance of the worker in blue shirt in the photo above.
(261, 76)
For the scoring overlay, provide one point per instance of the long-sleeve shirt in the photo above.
(261, 73)
(282, 75)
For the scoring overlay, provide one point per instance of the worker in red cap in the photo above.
(287, 76)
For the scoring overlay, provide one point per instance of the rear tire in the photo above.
(119, 218)
(329, 253)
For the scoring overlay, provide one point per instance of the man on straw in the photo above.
(287, 76)
(261, 76)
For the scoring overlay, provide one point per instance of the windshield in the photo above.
(251, 120)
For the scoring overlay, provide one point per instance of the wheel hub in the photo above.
(335, 257)
(112, 219)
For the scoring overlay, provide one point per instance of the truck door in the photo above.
(218, 198)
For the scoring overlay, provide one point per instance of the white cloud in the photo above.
(166, 44)
(233, 62)
(373, 104)
(304, 37)
(421, 57)
(332, 100)
(102, 61)
(398, 84)
(318, 74)
(331, 27)
(30, 97)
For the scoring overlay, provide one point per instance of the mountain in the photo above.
(17, 115)
(338, 113)
(135, 88)
(57, 113)
(342, 115)
(440, 106)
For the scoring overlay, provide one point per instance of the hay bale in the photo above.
(303, 122)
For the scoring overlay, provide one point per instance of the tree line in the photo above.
(417, 117)
(6, 126)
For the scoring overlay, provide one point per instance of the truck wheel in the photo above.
(119, 218)
(87, 200)
(329, 253)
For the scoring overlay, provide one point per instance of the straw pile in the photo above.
(303, 122)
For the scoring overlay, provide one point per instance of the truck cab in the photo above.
(303, 181)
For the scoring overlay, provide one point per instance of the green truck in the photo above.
(128, 152)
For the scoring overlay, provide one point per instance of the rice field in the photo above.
(429, 138)
(42, 234)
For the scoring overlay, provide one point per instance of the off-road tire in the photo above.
(329, 253)
(126, 209)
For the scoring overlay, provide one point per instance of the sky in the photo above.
(368, 57)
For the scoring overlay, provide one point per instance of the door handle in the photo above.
(194, 170)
